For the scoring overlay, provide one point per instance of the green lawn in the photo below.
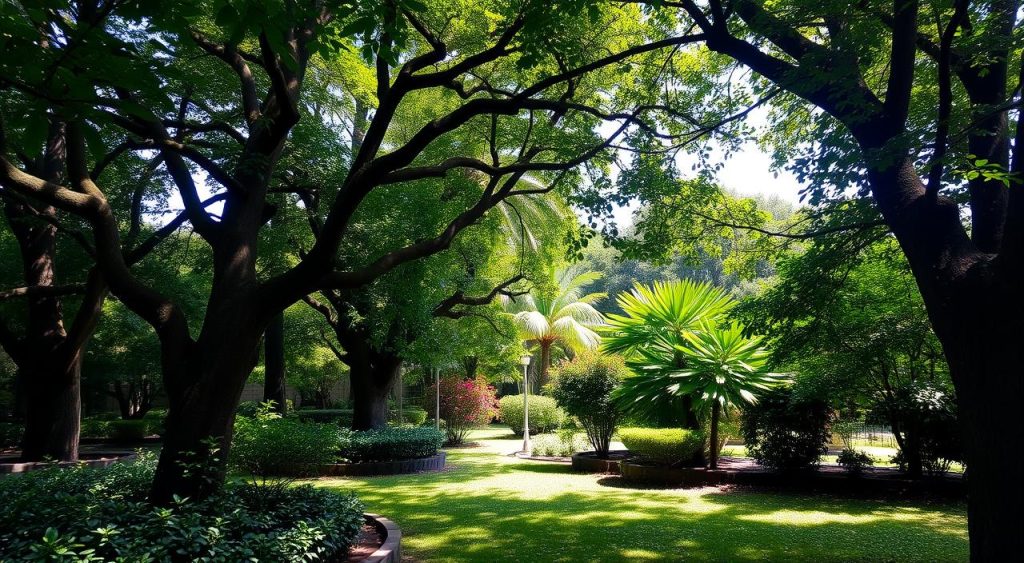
(490, 507)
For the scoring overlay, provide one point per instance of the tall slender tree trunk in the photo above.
(716, 412)
(273, 362)
(545, 364)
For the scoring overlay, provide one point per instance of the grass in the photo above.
(492, 507)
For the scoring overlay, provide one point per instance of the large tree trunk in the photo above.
(53, 417)
(204, 384)
(373, 375)
(273, 362)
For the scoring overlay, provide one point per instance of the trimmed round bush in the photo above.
(387, 444)
(545, 416)
(269, 445)
(583, 387)
(83, 514)
(663, 446)
(785, 432)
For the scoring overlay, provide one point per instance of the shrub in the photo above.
(269, 445)
(785, 432)
(854, 461)
(390, 444)
(414, 416)
(94, 428)
(583, 387)
(663, 446)
(465, 403)
(132, 430)
(82, 514)
(545, 415)
(10, 434)
(339, 417)
(561, 444)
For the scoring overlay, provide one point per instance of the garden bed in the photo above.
(380, 541)
(395, 467)
(11, 464)
(588, 462)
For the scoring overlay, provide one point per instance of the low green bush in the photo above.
(786, 432)
(414, 416)
(127, 431)
(545, 415)
(269, 445)
(560, 444)
(854, 461)
(94, 428)
(10, 434)
(389, 444)
(663, 446)
(83, 514)
(340, 417)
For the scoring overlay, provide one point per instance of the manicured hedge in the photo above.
(545, 416)
(341, 417)
(389, 444)
(134, 430)
(81, 514)
(413, 416)
(663, 446)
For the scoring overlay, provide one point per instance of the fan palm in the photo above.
(566, 318)
(654, 325)
(680, 347)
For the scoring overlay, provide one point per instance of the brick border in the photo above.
(390, 550)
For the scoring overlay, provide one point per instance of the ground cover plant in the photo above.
(79, 514)
(491, 507)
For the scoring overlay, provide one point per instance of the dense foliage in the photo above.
(785, 431)
(464, 404)
(270, 445)
(583, 387)
(545, 414)
(79, 514)
(663, 446)
(389, 444)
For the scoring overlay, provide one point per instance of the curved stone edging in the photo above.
(390, 551)
(106, 459)
(588, 462)
(432, 463)
(682, 476)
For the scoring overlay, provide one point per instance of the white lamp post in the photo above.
(525, 360)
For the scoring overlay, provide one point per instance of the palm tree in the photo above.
(680, 346)
(566, 318)
(652, 331)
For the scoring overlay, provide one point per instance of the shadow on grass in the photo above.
(496, 509)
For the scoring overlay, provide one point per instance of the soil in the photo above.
(369, 540)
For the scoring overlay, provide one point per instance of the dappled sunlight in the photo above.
(491, 507)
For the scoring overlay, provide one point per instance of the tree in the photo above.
(564, 316)
(850, 321)
(912, 104)
(505, 72)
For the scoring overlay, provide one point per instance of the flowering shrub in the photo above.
(465, 403)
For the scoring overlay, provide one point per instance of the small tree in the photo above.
(785, 431)
(465, 403)
(583, 387)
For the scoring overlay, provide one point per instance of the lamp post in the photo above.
(525, 360)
